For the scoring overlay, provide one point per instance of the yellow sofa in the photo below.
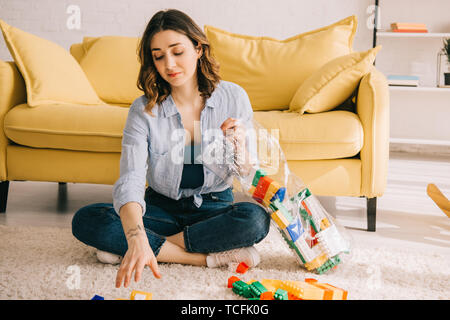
(340, 151)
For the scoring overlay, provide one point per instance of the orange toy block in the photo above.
(232, 280)
(242, 267)
(268, 295)
(140, 295)
(303, 290)
(332, 292)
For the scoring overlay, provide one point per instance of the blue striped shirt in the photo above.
(152, 147)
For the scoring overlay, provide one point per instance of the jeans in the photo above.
(217, 225)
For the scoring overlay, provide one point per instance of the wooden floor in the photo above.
(405, 212)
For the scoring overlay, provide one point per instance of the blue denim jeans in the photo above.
(217, 225)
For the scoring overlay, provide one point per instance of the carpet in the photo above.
(49, 263)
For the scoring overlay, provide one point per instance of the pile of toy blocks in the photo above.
(302, 222)
(270, 289)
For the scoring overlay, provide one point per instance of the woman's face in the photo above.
(175, 57)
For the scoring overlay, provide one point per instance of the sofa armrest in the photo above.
(12, 93)
(372, 107)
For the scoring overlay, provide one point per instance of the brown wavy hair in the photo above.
(155, 88)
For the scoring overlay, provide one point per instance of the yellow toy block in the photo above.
(324, 224)
(280, 219)
(140, 295)
(271, 284)
(332, 292)
(273, 188)
(317, 262)
(303, 290)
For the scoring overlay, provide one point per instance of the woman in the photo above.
(186, 215)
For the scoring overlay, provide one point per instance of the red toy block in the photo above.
(242, 267)
(261, 188)
(232, 280)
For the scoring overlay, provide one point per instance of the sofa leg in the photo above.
(371, 214)
(4, 187)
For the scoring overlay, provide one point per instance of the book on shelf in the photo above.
(403, 80)
(408, 27)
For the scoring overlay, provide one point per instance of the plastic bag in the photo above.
(256, 163)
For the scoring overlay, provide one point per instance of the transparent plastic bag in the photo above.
(257, 167)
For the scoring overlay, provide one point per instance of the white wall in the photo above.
(279, 19)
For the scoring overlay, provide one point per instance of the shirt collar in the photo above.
(169, 108)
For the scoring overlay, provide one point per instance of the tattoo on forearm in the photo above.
(134, 231)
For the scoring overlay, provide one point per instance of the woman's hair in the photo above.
(155, 88)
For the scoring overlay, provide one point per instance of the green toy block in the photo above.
(258, 174)
(242, 289)
(281, 294)
(239, 287)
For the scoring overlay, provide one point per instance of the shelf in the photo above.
(412, 35)
(421, 89)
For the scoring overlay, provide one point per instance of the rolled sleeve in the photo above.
(246, 115)
(130, 187)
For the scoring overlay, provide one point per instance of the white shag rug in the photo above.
(49, 263)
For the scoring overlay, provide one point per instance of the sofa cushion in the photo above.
(327, 135)
(271, 70)
(334, 82)
(70, 127)
(51, 74)
(111, 65)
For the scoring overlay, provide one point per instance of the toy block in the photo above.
(271, 190)
(242, 267)
(280, 294)
(329, 264)
(324, 224)
(257, 288)
(331, 241)
(239, 287)
(303, 290)
(97, 297)
(307, 253)
(261, 189)
(268, 295)
(271, 284)
(232, 280)
(316, 263)
(279, 195)
(281, 220)
(295, 229)
(332, 292)
(258, 174)
(140, 295)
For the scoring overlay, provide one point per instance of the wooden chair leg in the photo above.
(371, 214)
(4, 187)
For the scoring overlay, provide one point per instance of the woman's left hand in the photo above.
(234, 129)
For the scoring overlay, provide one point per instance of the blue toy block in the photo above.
(295, 229)
(279, 195)
(96, 297)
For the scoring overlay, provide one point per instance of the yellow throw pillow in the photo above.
(51, 73)
(112, 66)
(333, 83)
(271, 70)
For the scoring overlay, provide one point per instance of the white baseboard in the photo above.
(428, 147)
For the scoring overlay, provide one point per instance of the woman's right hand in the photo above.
(138, 255)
